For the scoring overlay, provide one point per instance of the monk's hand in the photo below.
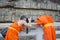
(29, 25)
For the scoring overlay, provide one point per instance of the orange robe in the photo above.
(12, 33)
(49, 30)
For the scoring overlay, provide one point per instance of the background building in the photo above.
(13, 9)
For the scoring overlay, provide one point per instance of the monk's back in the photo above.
(46, 19)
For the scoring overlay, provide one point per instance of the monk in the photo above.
(15, 28)
(49, 30)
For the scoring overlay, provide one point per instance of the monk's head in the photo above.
(23, 17)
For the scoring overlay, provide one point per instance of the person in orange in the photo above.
(15, 28)
(49, 30)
